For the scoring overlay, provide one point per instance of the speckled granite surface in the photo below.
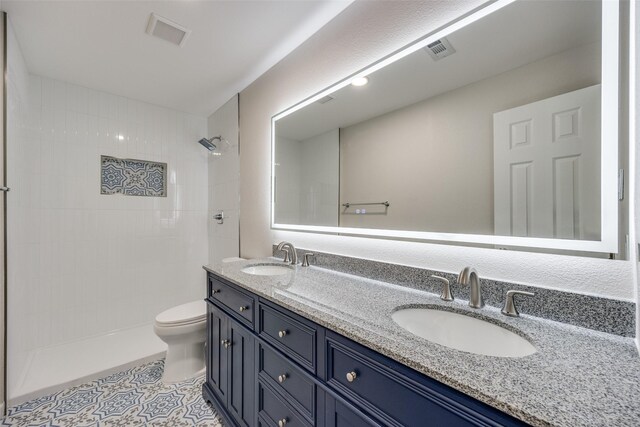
(578, 377)
(602, 314)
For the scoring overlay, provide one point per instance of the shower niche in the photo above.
(131, 177)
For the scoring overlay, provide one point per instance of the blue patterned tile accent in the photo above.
(76, 402)
(149, 375)
(135, 397)
(114, 378)
(118, 404)
(161, 406)
(132, 177)
(33, 404)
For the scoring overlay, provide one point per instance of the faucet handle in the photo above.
(286, 255)
(509, 308)
(446, 294)
(305, 259)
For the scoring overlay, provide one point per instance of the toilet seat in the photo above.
(185, 314)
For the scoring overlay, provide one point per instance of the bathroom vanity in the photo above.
(313, 347)
(516, 148)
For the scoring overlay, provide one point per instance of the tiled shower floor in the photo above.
(135, 397)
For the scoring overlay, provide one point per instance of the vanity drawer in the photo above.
(275, 411)
(295, 338)
(236, 301)
(288, 379)
(398, 396)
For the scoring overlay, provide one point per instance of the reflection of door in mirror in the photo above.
(547, 167)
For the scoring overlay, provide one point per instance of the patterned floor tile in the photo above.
(135, 397)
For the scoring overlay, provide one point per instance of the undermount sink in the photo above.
(266, 270)
(462, 332)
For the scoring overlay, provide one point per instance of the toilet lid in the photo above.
(190, 312)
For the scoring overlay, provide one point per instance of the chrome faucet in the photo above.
(509, 308)
(305, 259)
(446, 294)
(469, 276)
(291, 251)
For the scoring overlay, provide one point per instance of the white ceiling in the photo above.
(103, 45)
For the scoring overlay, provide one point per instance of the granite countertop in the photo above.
(578, 377)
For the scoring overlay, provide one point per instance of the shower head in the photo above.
(217, 149)
(208, 143)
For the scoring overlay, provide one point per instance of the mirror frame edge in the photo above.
(610, 67)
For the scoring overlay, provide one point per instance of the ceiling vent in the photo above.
(324, 99)
(167, 30)
(440, 49)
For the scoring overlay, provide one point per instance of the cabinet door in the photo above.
(241, 390)
(337, 414)
(217, 331)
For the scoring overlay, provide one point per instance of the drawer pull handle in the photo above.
(351, 376)
(282, 333)
(282, 422)
(226, 343)
(243, 308)
(215, 291)
(282, 377)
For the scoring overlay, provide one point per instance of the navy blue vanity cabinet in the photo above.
(295, 386)
(399, 396)
(230, 380)
(341, 414)
(237, 302)
(298, 338)
(230, 367)
(267, 366)
(216, 358)
(274, 410)
(241, 369)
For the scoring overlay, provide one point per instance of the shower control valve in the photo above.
(219, 217)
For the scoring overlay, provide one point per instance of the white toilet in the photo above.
(183, 328)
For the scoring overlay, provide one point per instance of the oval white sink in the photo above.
(266, 270)
(462, 332)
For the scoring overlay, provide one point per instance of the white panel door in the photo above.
(547, 167)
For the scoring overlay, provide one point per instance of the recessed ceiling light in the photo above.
(121, 137)
(359, 81)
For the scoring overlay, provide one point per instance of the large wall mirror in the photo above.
(499, 129)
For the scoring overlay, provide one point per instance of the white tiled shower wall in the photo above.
(81, 263)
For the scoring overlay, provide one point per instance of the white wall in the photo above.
(362, 34)
(224, 183)
(320, 165)
(307, 179)
(287, 173)
(82, 263)
(444, 145)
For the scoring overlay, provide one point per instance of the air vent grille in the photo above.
(440, 49)
(167, 30)
(324, 99)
